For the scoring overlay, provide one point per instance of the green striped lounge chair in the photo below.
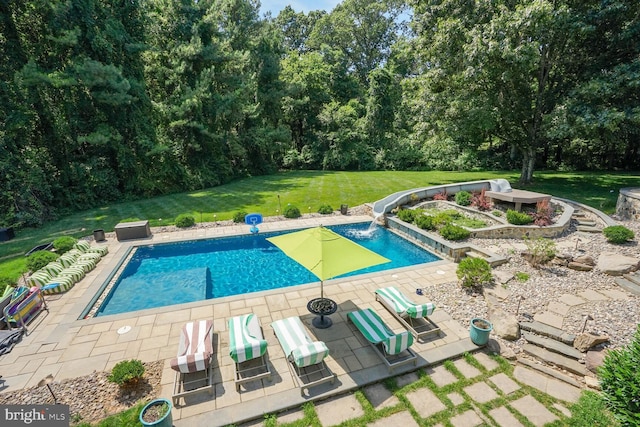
(394, 349)
(82, 245)
(305, 356)
(248, 348)
(194, 358)
(414, 317)
(53, 268)
(39, 278)
(58, 284)
(99, 249)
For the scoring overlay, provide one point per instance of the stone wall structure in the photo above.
(628, 206)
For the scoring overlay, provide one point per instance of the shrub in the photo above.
(39, 259)
(539, 251)
(126, 373)
(425, 222)
(496, 213)
(239, 216)
(463, 198)
(64, 244)
(454, 232)
(413, 197)
(618, 234)
(291, 212)
(521, 276)
(441, 196)
(185, 220)
(591, 410)
(482, 202)
(407, 215)
(620, 381)
(543, 214)
(473, 272)
(325, 209)
(518, 218)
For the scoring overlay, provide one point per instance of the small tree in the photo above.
(539, 251)
(474, 272)
(127, 373)
(618, 234)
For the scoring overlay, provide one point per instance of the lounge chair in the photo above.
(394, 349)
(414, 317)
(195, 355)
(248, 348)
(305, 356)
(19, 313)
(9, 338)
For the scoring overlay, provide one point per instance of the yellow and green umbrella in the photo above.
(325, 253)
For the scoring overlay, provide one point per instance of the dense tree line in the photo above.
(105, 100)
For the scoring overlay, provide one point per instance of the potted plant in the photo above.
(479, 331)
(157, 413)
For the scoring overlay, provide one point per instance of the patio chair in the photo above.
(9, 338)
(248, 348)
(195, 356)
(394, 349)
(414, 317)
(305, 356)
(20, 312)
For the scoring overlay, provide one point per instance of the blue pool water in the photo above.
(176, 273)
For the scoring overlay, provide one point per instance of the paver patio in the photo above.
(66, 346)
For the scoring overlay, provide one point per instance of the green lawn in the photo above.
(305, 189)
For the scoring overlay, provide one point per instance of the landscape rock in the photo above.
(592, 382)
(594, 359)
(502, 277)
(585, 259)
(585, 341)
(578, 266)
(505, 325)
(496, 347)
(615, 264)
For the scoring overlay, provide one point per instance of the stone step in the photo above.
(588, 229)
(587, 222)
(628, 285)
(549, 371)
(543, 329)
(633, 277)
(553, 345)
(556, 359)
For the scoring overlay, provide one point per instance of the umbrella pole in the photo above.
(321, 289)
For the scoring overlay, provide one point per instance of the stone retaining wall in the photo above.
(628, 206)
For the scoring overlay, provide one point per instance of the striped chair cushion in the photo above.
(58, 285)
(309, 354)
(102, 250)
(39, 278)
(403, 306)
(82, 245)
(375, 331)
(67, 259)
(86, 264)
(53, 268)
(243, 345)
(75, 272)
(195, 348)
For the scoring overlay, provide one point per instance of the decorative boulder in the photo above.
(594, 359)
(584, 341)
(578, 266)
(615, 264)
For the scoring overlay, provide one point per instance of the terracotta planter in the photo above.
(479, 330)
(166, 420)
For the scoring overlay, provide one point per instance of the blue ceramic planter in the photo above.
(166, 421)
(480, 335)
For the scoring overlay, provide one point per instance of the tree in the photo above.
(496, 70)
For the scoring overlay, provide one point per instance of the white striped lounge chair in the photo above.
(394, 349)
(248, 348)
(39, 278)
(414, 317)
(195, 356)
(305, 356)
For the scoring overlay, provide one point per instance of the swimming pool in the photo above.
(175, 273)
